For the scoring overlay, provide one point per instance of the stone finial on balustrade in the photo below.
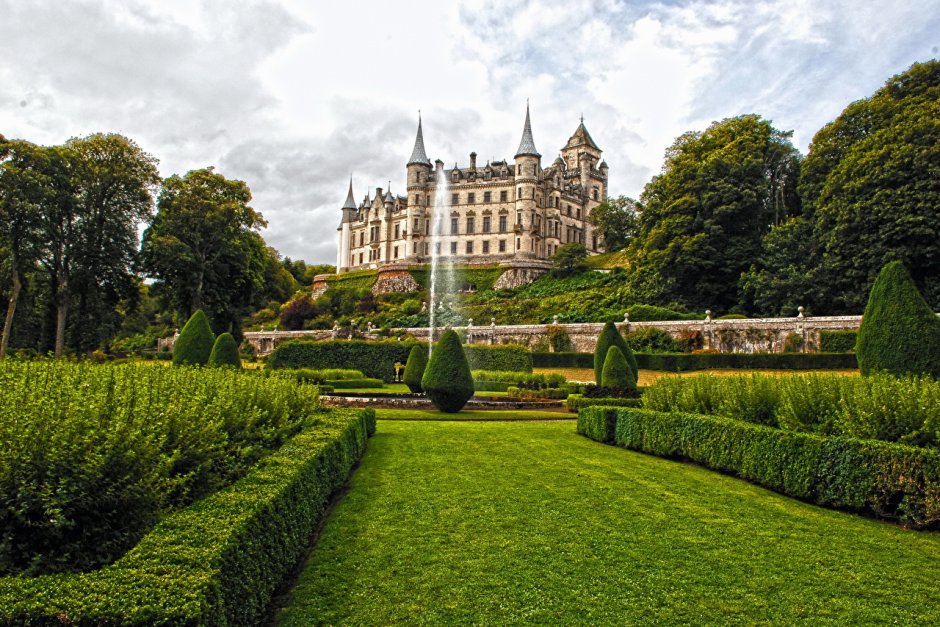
(469, 323)
(626, 317)
(424, 307)
(493, 322)
(555, 319)
(801, 310)
(708, 315)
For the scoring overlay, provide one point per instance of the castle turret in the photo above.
(419, 185)
(349, 214)
(528, 163)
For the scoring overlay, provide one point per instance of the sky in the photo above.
(294, 96)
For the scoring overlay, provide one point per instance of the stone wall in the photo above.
(756, 335)
(395, 278)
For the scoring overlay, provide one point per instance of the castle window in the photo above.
(414, 249)
(453, 248)
(470, 248)
(486, 224)
(362, 234)
(453, 226)
(486, 247)
(471, 198)
(518, 193)
(437, 248)
(579, 214)
(427, 227)
(471, 225)
(502, 245)
(360, 259)
(397, 231)
(518, 218)
(518, 243)
(502, 224)
(417, 226)
(594, 242)
(395, 252)
(503, 196)
(426, 248)
(568, 210)
(487, 196)
(595, 193)
(455, 199)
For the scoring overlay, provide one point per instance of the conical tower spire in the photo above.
(418, 155)
(527, 145)
(350, 199)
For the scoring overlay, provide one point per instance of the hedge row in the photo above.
(837, 341)
(546, 393)
(577, 402)
(377, 359)
(217, 562)
(684, 362)
(891, 481)
(350, 384)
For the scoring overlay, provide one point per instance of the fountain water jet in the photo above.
(440, 277)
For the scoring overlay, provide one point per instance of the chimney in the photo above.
(473, 161)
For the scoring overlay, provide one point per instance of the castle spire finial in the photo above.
(418, 155)
(527, 144)
(350, 199)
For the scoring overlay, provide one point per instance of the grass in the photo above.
(473, 414)
(504, 523)
(648, 376)
(401, 388)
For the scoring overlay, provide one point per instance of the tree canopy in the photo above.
(616, 219)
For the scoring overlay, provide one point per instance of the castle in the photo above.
(500, 213)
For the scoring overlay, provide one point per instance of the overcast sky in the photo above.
(293, 96)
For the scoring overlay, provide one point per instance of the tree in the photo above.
(296, 312)
(447, 380)
(871, 188)
(194, 345)
(224, 352)
(204, 246)
(900, 333)
(569, 259)
(616, 219)
(616, 373)
(610, 336)
(414, 368)
(26, 187)
(703, 218)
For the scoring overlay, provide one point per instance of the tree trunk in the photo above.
(62, 310)
(11, 309)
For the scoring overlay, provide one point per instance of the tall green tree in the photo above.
(26, 187)
(617, 221)
(569, 259)
(871, 187)
(702, 219)
(204, 247)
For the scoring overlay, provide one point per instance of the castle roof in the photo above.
(418, 155)
(350, 200)
(527, 145)
(581, 137)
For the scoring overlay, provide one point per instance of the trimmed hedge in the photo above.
(617, 373)
(548, 393)
(349, 384)
(377, 360)
(610, 336)
(447, 380)
(598, 423)
(684, 362)
(194, 344)
(579, 401)
(414, 368)
(837, 341)
(217, 562)
(891, 481)
(224, 352)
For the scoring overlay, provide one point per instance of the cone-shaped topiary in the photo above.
(617, 374)
(415, 367)
(610, 336)
(225, 352)
(447, 380)
(194, 344)
(900, 334)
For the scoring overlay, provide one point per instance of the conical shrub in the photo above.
(415, 367)
(194, 344)
(616, 374)
(900, 333)
(610, 336)
(225, 352)
(447, 380)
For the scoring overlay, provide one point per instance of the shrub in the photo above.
(837, 341)
(900, 333)
(652, 340)
(507, 357)
(513, 391)
(610, 336)
(414, 369)
(598, 423)
(563, 360)
(93, 454)
(616, 373)
(297, 311)
(447, 380)
(218, 562)
(225, 352)
(652, 313)
(576, 402)
(889, 480)
(793, 343)
(558, 339)
(195, 342)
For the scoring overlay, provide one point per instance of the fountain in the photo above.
(440, 277)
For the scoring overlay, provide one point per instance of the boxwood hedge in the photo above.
(577, 402)
(891, 481)
(837, 341)
(377, 359)
(685, 362)
(217, 562)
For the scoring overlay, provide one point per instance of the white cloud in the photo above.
(292, 95)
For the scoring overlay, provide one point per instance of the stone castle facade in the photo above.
(515, 214)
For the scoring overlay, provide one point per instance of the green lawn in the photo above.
(497, 523)
(473, 414)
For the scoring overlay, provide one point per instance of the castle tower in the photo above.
(528, 169)
(349, 215)
(419, 189)
(583, 156)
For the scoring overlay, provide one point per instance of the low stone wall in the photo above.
(755, 335)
